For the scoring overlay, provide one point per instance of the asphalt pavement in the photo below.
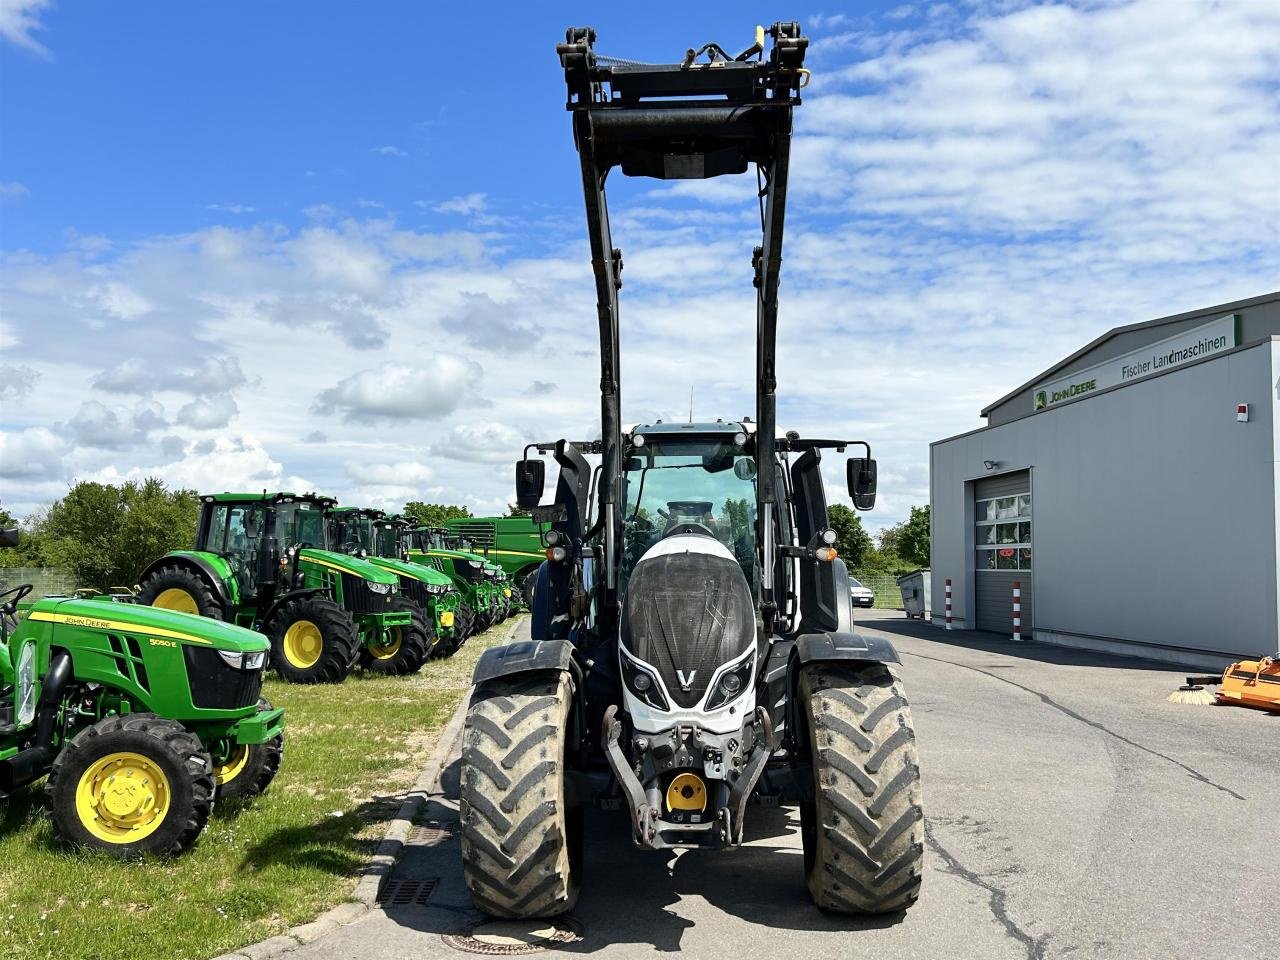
(1071, 812)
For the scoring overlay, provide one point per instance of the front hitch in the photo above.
(643, 817)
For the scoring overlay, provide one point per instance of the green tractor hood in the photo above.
(153, 622)
(415, 571)
(347, 563)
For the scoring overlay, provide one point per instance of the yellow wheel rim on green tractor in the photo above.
(175, 598)
(303, 644)
(224, 773)
(389, 649)
(122, 798)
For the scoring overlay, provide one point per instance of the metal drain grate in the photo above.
(431, 832)
(514, 938)
(404, 893)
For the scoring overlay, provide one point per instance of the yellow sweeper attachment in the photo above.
(1252, 683)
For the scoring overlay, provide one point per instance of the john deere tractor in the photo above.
(513, 543)
(477, 580)
(692, 641)
(262, 560)
(139, 717)
(374, 536)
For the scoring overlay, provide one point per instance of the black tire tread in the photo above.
(163, 736)
(515, 847)
(416, 643)
(341, 641)
(866, 847)
(264, 764)
(176, 575)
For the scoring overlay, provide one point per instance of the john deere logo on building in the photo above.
(1198, 343)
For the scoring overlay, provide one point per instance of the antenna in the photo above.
(691, 403)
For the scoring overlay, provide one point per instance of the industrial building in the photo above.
(1131, 490)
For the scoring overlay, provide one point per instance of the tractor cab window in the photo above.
(386, 541)
(301, 523)
(356, 533)
(239, 538)
(690, 484)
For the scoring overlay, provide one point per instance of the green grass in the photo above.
(351, 751)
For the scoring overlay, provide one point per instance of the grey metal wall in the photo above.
(993, 589)
(1259, 318)
(1154, 511)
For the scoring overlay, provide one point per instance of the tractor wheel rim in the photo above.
(238, 759)
(385, 651)
(303, 644)
(175, 598)
(122, 798)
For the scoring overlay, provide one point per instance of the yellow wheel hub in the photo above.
(303, 644)
(175, 598)
(385, 651)
(122, 798)
(446, 618)
(687, 792)
(236, 762)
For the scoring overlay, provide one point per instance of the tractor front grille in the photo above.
(215, 685)
(358, 598)
(415, 590)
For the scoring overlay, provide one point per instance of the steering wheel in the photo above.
(10, 607)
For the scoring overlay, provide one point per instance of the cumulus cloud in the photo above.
(486, 442)
(16, 380)
(213, 375)
(12, 189)
(19, 19)
(209, 413)
(350, 316)
(98, 426)
(467, 204)
(34, 453)
(408, 474)
(498, 327)
(431, 388)
(223, 463)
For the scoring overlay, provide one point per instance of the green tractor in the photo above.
(477, 579)
(262, 560)
(374, 536)
(139, 717)
(505, 599)
(513, 543)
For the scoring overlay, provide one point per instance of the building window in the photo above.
(1003, 532)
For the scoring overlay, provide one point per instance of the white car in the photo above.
(860, 595)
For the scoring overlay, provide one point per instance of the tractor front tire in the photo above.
(464, 624)
(131, 786)
(863, 828)
(521, 844)
(313, 640)
(250, 768)
(407, 648)
(179, 588)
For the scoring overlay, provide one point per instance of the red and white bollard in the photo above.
(948, 603)
(1017, 611)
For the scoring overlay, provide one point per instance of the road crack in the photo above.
(997, 897)
(1067, 711)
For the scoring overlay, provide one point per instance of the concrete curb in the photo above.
(384, 858)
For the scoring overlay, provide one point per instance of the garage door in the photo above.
(1002, 535)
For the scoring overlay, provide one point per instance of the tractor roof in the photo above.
(265, 497)
(660, 430)
(369, 512)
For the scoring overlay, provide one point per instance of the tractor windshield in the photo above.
(699, 484)
(386, 541)
(301, 523)
(356, 533)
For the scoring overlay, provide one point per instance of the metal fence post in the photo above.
(1017, 611)
(948, 603)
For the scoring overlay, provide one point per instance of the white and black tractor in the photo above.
(692, 650)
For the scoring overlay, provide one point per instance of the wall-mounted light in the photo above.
(991, 464)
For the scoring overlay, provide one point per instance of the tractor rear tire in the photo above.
(333, 648)
(178, 588)
(409, 647)
(863, 828)
(521, 844)
(131, 786)
(250, 769)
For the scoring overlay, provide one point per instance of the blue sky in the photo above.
(328, 245)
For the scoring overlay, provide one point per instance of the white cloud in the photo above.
(231, 208)
(388, 151)
(426, 390)
(486, 442)
(135, 375)
(119, 300)
(408, 474)
(32, 454)
(16, 380)
(209, 413)
(467, 204)
(497, 327)
(18, 19)
(223, 463)
(12, 189)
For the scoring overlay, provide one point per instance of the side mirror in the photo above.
(861, 473)
(9, 538)
(531, 475)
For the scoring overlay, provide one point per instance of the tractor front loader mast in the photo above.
(685, 121)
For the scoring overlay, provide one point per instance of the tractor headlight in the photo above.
(730, 683)
(243, 661)
(641, 682)
(380, 588)
(476, 564)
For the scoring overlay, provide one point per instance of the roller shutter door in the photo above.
(1003, 535)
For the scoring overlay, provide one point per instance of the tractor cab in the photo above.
(351, 529)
